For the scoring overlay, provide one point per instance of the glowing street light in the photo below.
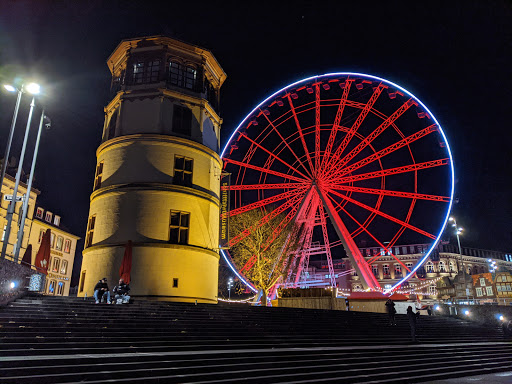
(34, 89)
(458, 231)
(230, 284)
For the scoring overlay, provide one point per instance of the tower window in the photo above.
(190, 78)
(90, 231)
(176, 73)
(182, 120)
(99, 175)
(183, 170)
(178, 228)
(182, 76)
(138, 73)
(152, 71)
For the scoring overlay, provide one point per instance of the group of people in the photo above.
(120, 291)
(411, 316)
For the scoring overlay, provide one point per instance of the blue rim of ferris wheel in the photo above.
(441, 131)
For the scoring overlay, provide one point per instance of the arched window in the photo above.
(452, 266)
(430, 267)
(442, 267)
(385, 270)
(398, 270)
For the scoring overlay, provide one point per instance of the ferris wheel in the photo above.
(348, 159)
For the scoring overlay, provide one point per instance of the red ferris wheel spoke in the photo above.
(248, 187)
(271, 154)
(386, 249)
(402, 230)
(317, 128)
(372, 136)
(283, 140)
(269, 171)
(385, 215)
(337, 120)
(393, 171)
(386, 151)
(235, 240)
(279, 229)
(299, 129)
(350, 134)
(264, 202)
(409, 195)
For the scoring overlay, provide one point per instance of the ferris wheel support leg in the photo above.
(353, 253)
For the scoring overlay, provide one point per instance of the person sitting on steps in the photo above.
(121, 292)
(101, 290)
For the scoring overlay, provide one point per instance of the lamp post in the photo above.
(29, 186)
(33, 89)
(230, 284)
(458, 231)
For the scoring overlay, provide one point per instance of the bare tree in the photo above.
(260, 254)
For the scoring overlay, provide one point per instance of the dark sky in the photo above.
(454, 56)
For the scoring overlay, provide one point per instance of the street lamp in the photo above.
(44, 119)
(33, 89)
(458, 231)
(230, 284)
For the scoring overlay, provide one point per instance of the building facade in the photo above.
(157, 180)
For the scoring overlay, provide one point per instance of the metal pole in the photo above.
(461, 259)
(9, 140)
(12, 205)
(29, 187)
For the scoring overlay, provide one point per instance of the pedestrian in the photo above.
(101, 290)
(390, 309)
(429, 310)
(412, 323)
(121, 292)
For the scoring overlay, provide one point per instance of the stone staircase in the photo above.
(70, 340)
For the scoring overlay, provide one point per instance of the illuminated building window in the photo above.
(398, 270)
(482, 282)
(385, 270)
(98, 176)
(82, 281)
(90, 231)
(375, 270)
(452, 266)
(183, 167)
(64, 267)
(67, 246)
(442, 267)
(51, 287)
(479, 291)
(60, 241)
(41, 234)
(489, 291)
(60, 288)
(409, 266)
(56, 264)
(432, 290)
(182, 120)
(175, 283)
(430, 267)
(178, 228)
(56, 220)
(39, 213)
(52, 240)
(3, 234)
(48, 216)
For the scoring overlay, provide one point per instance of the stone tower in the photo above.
(157, 173)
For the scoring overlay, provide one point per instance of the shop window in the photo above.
(67, 246)
(182, 120)
(64, 267)
(51, 287)
(60, 240)
(60, 288)
(98, 176)
(183, 170)
(82, 281)
(39, 213)
(90, 231)
(178, 228)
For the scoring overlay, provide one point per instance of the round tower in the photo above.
(157, 173)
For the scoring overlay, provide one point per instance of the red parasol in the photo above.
(27, 257)
(126, 264)
(43, 255)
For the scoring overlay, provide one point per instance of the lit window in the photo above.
(178, 228)
(409, 266)
(98, 176)
(39, 213)
(442, 268)
(138, 73)
(51, 287)
(60, 288)
(183, 170)
(479, 291)
(64, 267)
(90, 231)
(482, 282)
(489, 291)
(56, 264)
(398, 270)
(432, 290)
(60, 241)
(56, 220)
(52, 240)
(430, 267)
(385, 270)
(67, 246)
(452, 266)
(375, 270)
(48, 216)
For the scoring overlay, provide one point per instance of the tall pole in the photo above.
(457, 231)
(12, 205)
(29, 187)
(11, 133)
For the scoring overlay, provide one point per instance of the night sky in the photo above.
(454, 56)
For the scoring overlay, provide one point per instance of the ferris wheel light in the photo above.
(289, 89)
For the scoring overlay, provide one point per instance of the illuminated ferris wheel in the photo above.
(348, 159)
